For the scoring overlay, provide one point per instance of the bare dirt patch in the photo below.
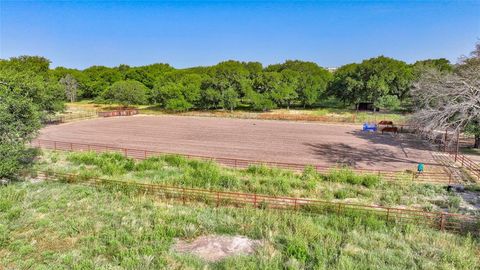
(262, 140)
(215, 248)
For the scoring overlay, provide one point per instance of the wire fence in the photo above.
(439, 220)
(427, 177)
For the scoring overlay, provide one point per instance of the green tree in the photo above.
(371, 80)
(71, 86)
(178, 105)
(260, 102)
(100, 78)
(388, 102)
(210, 98)
(312, 80)
(230, 99)
(20, 121)
(127, 93)
(29, 76)
(284, 93)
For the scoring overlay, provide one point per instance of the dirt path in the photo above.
(280, 141)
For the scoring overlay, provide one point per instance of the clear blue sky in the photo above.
(190, 33)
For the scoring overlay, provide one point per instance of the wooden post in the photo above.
(55, 146)
(255, 200)
(445, 142)
(183, 195)
(388, 213)
(218, 199)
(457, 148)
(442, 222)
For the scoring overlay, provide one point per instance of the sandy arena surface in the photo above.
(264, 140)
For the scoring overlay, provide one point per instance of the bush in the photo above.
(178, 105)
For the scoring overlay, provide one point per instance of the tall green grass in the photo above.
(341, 184)
(63, 226)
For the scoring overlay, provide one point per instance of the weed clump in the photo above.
(109, 163)
(346, 175)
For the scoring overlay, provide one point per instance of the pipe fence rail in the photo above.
(467, 163)
(427, 177)
(58, 119)
(439, 220)
(127, 112)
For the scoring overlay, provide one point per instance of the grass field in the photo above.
(340, 185)
(52, 225)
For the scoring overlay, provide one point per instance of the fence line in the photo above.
(429, 177)
(126, 112)
(466, 162)
(57, 119)
(439, 220)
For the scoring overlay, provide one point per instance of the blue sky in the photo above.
(190, 33)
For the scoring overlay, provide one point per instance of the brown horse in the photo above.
(390, 129)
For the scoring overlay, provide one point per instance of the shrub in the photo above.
(175, 160)
(341, 194)
(309, 173)
(370, 180)
(178, 105)
(152, 163)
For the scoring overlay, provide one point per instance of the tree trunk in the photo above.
(477, 141)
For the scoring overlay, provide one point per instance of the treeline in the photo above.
(383, 81)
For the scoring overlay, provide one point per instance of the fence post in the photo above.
(183, 195)
(255, 200)
(125, 152)
(449, 178)
(388, 213)
(413, 176)
(71, 146)
(144, 154)
(442, 222)
(218, 199)
(295, 204)
(55, 146)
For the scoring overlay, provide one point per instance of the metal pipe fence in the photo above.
(439, 220)
(427, 177)
(127, 112)
(58, 119)
(467, 163)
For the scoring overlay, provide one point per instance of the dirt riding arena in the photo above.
(264, 140)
